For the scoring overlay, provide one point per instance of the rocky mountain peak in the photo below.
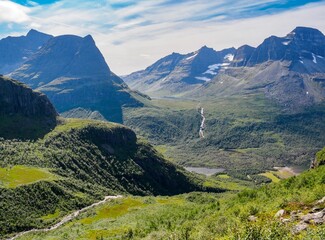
(63, 56)
(14, 51)
(305, 33)
(34, 33)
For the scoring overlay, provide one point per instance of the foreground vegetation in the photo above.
(202, 215)
(76, 164)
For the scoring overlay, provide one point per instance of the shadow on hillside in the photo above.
(19, 127)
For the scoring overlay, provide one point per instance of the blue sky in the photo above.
(133, 34)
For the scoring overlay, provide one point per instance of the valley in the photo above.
(73, 133)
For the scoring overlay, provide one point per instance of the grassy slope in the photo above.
(320, 157)
(23, 175)
(202, 215)
(247, 132)
(90, 159)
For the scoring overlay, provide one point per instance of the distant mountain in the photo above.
(180, 72)
(16, 50)
(73, 73)
(303, 47)
(289, 70)
(24, 114)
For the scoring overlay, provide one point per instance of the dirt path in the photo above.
(66, 218)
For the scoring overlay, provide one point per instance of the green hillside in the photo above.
(320, 157)
(85, 160)
(249, 214)
(244, 134)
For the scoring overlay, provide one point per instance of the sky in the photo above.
(134, 34)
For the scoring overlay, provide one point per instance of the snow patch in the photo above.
(314, 58)
(301, 61)
(24, 58)
(39, 47)
(204, 79)
(286, 43)
(213, 69)
(193, 56)
(229, 57)
(319, 56)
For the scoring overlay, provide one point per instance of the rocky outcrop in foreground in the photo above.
(304, 218)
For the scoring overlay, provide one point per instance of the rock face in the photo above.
(289, 70)
(14, 51)
(73, 73)
(303, 47)
(24, 112)
(83, 113)
(180, 73)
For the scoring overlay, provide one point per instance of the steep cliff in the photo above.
(24, 113)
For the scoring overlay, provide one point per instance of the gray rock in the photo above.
(299, 227)
(321, 201)
(318, 215)
(286, 220)
(318, 221)
(307, 218)
(316, 209)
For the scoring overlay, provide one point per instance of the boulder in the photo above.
(280, 213)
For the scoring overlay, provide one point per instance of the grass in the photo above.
(12, 177)
(271, 176)
(52, 216)
(223, 176)
(201, 215)
(107, 212)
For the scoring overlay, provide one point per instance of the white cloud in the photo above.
(133, 37)
(13, 13)
(164, 38)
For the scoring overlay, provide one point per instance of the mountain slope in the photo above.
(14, 51)
(179, 73)
(72, 72)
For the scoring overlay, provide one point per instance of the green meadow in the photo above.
(12, 177)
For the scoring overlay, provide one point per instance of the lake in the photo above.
(205, 171)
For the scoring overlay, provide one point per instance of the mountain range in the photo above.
(70, 70)
(289, 70)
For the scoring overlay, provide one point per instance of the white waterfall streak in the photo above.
(202, 124)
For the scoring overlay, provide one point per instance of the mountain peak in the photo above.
(206, 48)
(303, 32)
(34, 33)
(90, 39)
